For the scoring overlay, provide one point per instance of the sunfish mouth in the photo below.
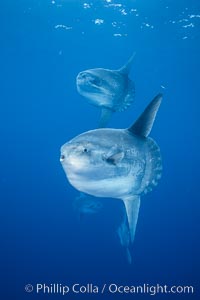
(87, 79)
(62, 157)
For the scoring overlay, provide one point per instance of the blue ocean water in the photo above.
(44, 46)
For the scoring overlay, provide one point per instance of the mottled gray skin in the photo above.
(110, 90)
(89, 170)
(116, 163)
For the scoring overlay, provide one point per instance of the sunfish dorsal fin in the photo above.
(144, 123)
(127, 67)
(132, 204)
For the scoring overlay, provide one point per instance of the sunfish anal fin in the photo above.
(124, 236)
(105, 117)
(132, 204)
(128, 255)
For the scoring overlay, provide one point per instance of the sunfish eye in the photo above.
(96, 81)
(82, 75)
(85, 150)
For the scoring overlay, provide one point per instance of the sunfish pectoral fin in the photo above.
(115, 158)
(105, 117)
(125, 69)
(132, 204)
(144, 123)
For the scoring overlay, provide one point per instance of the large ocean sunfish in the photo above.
(111, 90)
(116, 163)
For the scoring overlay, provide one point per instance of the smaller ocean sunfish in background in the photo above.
(86, 204)
(111, 90)
(116, 163)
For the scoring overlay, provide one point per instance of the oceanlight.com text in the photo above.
(112, 288)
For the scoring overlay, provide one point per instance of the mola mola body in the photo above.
(116, 163)
(111, 90)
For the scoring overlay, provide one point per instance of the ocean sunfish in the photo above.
(116, 163)
(111, 90)
(86, 204)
